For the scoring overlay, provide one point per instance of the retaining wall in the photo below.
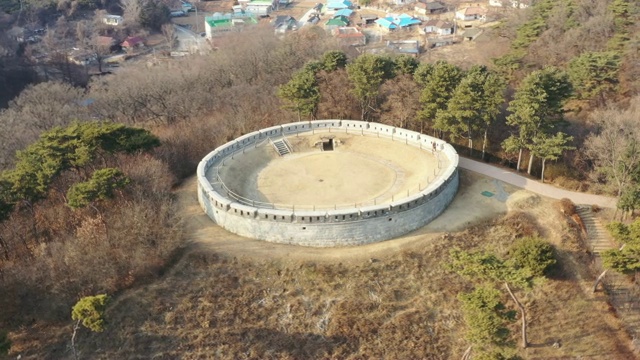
(324, 228)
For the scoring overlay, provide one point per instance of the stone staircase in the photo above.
(597, 236)
(282, 146)
(623, 296)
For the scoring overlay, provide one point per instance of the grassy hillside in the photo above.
(220, 304)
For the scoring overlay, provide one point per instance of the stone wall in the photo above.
(329, 227)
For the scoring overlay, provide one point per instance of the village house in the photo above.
(113, 20)
(284, 23)
(344, 12)
(220, 23)
(132, 42)
(404, 47)
(368, 19)
(471, 13)
(339, 5)
(350, 36)
(518, 4)
(402, 2)
(337, 21)
(439, 27)
(260, 7)
(430, 8)
(392, 23)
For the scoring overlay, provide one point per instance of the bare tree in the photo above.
(614, 148)
(37, 109)
(335, 103)
(169, 32)
(131, 10)
(401, 103)
(82, 31)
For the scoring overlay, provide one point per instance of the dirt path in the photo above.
(553, 192)
(469, 207)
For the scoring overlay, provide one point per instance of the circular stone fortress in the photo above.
(328, 182)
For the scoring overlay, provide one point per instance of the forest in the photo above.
(87, 175)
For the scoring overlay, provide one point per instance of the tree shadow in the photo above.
(265, 341)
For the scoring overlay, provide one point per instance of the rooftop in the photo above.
(439, 24)
(346, 32)
(473, 10)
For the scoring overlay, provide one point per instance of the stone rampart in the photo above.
(328, 227)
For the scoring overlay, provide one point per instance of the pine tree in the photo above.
(473, 107)
(537, 108)
(367, 73)
(438, 82)
(301, 94)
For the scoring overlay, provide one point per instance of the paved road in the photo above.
(535, 186)
(188, 41)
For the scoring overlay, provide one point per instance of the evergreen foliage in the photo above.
(485, 316)
(405, 65)
(101, 186)
(61, 149)
(422, 74)
(627, 259)
(629, 198)
(154, 14)
(530, 30)
(594, 73)
(532, 255)
(90, 312)
(474, 105)
(333, 60)
(438, 81)
(550, 147)
(5, 343)
(537, 108)
(301, 94)
(367, 72)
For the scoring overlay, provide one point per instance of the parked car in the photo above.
(178, 13)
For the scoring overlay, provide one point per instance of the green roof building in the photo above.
(338, 21)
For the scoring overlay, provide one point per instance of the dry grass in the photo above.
(566, 207)
(399, 306)
(402, 306)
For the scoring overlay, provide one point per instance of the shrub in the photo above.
(5, 343)
(567, 207)
(534, 255)
(485, 316)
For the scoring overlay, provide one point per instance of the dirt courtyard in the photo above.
(360, 171)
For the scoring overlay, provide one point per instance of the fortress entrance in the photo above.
(327, 145)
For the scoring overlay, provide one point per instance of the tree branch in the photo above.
(524, 316)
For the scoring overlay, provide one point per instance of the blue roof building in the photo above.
(386, 23)
(338, 5)
(343, 12)
(391, 23)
